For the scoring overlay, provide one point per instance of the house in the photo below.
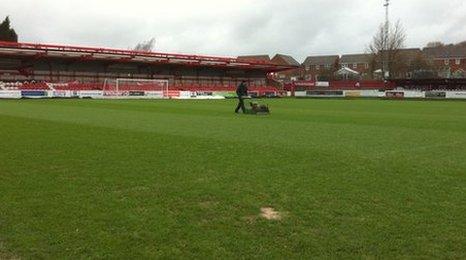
(450, 60)
(362, 63)
(293, 74)
(320, 66)
(282, 59)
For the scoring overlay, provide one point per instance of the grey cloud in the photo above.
(295, 27)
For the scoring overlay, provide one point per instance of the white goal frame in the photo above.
(115, 88)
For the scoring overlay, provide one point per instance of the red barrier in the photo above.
(341, 85)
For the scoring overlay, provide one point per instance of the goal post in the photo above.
(149, 88)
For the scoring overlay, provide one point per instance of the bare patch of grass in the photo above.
(270, 213)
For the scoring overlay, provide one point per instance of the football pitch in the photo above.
(191, 179)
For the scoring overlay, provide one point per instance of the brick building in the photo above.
(361, 63)
(450, 60)
(320, 66)
(287, 60)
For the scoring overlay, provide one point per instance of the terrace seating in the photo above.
(76, 86)
(33, 86)
(11, 85)
(139, 87)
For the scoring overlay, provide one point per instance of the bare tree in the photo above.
(385, 46)
(146, 45)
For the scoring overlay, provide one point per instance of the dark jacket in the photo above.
(242, 90)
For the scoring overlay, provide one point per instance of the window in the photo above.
(447, 62)
(458, 61)
(355, 66)
(307, 67)
(366, 65)
(344, 65)
(327, 66)
(317, 67)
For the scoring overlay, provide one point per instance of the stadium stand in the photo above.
(76, 86)
(24, 86)
(83, 68)
(34, 86)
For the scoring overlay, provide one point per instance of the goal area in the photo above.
(142, 88)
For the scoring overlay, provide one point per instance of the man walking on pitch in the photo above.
(241, 91)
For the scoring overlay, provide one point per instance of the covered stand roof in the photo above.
(117, 55)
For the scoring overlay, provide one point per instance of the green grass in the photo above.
(187, 179)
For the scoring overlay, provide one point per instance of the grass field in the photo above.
(184, 179)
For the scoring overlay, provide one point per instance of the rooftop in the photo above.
(355, 58)
(447, 51)
(286, 60)
(320, 60)
(264, 57)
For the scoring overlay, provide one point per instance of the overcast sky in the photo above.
(234, 27)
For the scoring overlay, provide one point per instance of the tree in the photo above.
(145, 46)
(435, 44)
(328, 72)
(385, 46)
(422, 67)
(7, 33)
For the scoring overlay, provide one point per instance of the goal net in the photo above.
(150, 88)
